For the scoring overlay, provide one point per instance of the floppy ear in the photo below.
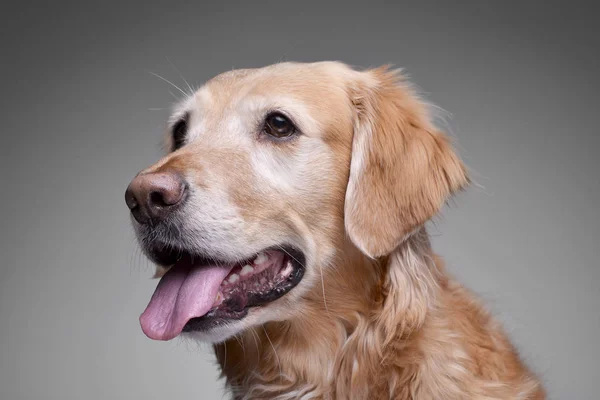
(402, 169)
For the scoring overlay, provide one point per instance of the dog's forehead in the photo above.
(297, 78)
(306, 89)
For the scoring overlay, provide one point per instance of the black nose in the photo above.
(152, 197)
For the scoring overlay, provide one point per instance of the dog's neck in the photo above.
(347, 324)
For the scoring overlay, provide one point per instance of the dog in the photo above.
(287, 221)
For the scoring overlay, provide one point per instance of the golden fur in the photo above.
(378, 316)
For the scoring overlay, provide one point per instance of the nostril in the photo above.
(131, 200)
(166, 193)
(158, 199)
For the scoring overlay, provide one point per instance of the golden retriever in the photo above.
(287, 223)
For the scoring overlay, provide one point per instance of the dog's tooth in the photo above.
(246, 270)
(288, 269)
(261, 258)
(234, 278)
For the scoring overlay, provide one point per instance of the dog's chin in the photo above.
(213, 299)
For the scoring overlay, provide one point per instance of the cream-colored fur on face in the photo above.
(376, 315)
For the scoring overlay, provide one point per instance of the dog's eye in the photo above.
(179, 132)
(279, 126)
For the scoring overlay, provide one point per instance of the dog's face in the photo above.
(269, 172)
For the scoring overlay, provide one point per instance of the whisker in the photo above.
(275, 352)
(322, 278)
(283, 57)
(181, 75)
(295, 259)
(241, 342)
(169, 82)
(323, 288)
(255, 337)
(225, 357)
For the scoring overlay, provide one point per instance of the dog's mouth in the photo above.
(198, 293)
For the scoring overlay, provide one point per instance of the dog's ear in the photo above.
(402, 168)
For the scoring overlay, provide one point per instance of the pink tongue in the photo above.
(182, 293)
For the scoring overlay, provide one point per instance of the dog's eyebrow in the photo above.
(179, 131)
(293, 107)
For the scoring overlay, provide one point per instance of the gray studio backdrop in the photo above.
(81, 114)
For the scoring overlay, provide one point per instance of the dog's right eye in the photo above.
(279, 126)
(179, 132)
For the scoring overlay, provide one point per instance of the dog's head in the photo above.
(271, 172)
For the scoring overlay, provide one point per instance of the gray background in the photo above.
(80, 115)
